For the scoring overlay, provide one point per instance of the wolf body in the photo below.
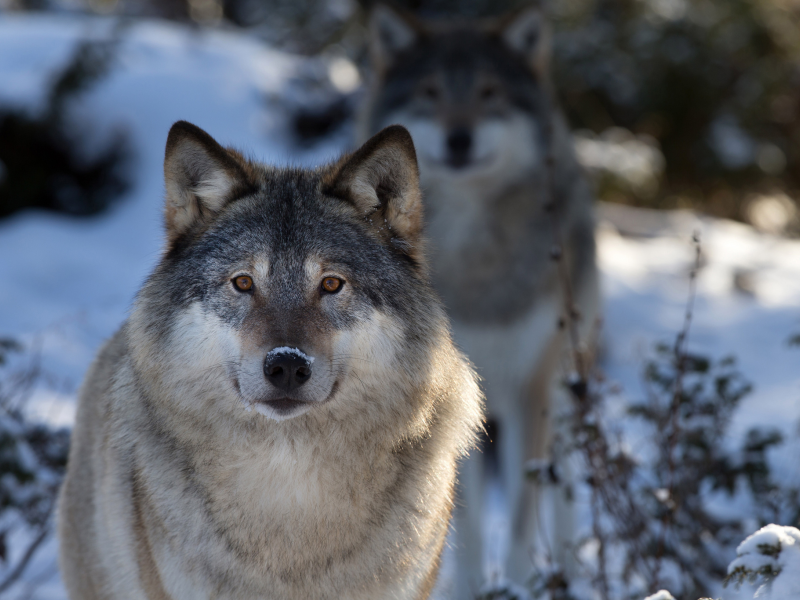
(303, 295)
(504, 192)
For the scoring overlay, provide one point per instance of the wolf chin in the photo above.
(503, 188)
(281, 415)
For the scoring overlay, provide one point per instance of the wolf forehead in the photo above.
(508, 54)
(289, 214)
(460, 59)
(460, 52)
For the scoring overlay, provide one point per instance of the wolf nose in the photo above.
(459, 143)
(287, 370)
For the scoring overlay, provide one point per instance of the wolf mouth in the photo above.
(286, 406)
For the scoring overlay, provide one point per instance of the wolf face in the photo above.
(469, 95)
(295, 286)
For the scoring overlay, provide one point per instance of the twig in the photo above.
(597, 449)
(597, 531)
(38, 509)
(17, 571)
(679, 353)
(558, 252)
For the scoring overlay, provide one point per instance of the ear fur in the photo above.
(390, 32)
(201, 177)
(527, 32)
(381, 180)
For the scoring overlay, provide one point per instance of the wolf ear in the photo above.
(526, 31)
(201, 178)
(390, 32)
(381, 180)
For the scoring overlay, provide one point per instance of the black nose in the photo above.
(459, 144)
(287, 370)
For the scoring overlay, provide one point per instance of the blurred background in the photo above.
(686, 115)
(676, 103)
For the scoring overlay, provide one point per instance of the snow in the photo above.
(288, 350)
(69, 283)
(773, 549)
(645, 288)
(772, 536)
(661, 595)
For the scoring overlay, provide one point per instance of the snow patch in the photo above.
(288, 350)
(661, 595)
(773, 553)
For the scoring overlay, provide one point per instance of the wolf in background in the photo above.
(303, 295)
(503, 189)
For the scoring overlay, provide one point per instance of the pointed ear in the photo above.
(381, 180)
(201, 178)
(527, 32)
(390, 32)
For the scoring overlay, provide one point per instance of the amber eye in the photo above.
(332, 284)
(243, 283)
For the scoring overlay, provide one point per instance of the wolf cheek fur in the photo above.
(478, 101)
(304, 295)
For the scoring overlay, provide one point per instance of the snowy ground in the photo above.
(67, 283)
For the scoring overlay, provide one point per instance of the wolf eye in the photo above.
(332, 284)
(243, 283)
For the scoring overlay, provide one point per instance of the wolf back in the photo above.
(503, 189)
(281, 415)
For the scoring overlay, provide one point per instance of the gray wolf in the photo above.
(477, 98)
(282, 413)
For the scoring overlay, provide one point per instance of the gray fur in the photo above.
(175, 490)
(492, 225)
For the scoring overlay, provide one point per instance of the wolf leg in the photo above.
(467, 521)
(557, 505)
(529, 437)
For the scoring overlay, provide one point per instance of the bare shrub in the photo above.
(33, 460)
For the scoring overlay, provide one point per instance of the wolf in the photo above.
(510, 221)
(281, 415)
